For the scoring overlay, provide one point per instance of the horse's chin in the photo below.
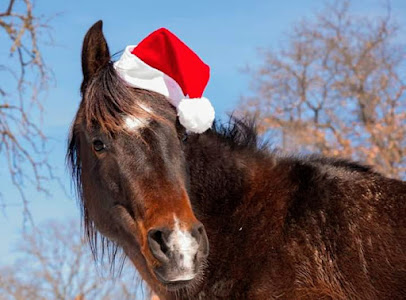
(186, 283)
(173, 286)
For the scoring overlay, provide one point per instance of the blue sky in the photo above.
(226, 34)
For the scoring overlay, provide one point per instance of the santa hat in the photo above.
(164, 64)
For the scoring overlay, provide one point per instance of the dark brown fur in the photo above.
(278, 227)
(288, 228)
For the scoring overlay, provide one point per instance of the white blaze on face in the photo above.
(133, 123)
(184, 246)
(145, 107)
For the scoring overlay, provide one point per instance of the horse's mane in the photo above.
(240, 133)
(340, 163)
(243, 134)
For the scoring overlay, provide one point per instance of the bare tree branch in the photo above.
(22, 141)
(56, 263)
(336, 88)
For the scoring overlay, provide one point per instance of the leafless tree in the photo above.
(56, 263)
(335, 86)
(12, 287)
(24, 79)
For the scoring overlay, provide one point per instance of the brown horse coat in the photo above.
(278, 227)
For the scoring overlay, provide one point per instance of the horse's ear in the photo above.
(95, 52)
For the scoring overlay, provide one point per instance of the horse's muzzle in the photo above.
(180, 253)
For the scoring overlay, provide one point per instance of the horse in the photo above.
(220, 215)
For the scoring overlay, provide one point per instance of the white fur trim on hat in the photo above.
(138, 74)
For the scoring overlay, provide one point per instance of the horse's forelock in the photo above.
(107, 100)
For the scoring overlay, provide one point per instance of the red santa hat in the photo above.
(164, 64)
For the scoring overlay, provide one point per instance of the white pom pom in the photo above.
(196, 115)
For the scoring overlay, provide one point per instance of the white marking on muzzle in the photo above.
(184, 246)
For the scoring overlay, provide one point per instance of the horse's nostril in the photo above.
(158, 243)
(199, 233)
(158, 237)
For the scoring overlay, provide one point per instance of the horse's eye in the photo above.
(98, 145)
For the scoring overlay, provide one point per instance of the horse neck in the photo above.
(224, 176)
(217, 175)
(232, 193)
